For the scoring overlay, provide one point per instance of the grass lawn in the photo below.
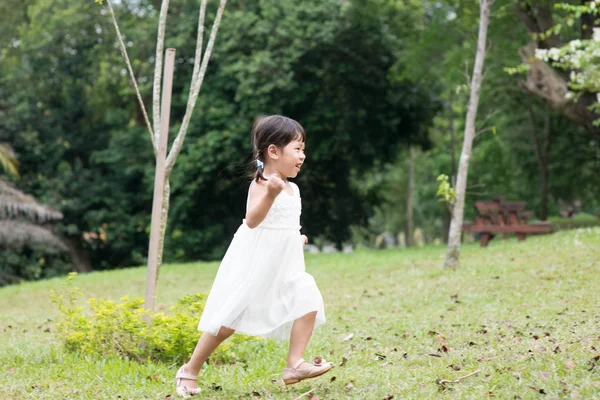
(524, 315)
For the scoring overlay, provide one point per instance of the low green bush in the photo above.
(120, 329)
(578, 221)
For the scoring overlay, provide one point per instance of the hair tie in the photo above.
(259, 164)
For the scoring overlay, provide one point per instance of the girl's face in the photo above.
(290, 159)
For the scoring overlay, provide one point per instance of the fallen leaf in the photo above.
(557, 349)
(349, 385)
(446, 348)
(388, 397)
(344, 361)
(11, 370)
(333, 378)
(570, 364)
(546, 375)
(380, 356)
(154, 378)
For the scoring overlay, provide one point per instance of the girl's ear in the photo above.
(273, 151)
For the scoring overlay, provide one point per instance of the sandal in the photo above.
(301, 372)
(180, 388)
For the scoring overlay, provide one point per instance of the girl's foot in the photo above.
(186, 383)
(303, 370)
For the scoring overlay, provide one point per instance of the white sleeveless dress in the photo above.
(262, 286)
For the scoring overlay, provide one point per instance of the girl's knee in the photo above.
(225, 332)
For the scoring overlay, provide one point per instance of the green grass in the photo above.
(525, 315)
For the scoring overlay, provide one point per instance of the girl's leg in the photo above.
(206, 345)
(300, 335)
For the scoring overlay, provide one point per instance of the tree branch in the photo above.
(546, 84)
(484, 130)
(196, 84)
(131, 75)
(160, 44)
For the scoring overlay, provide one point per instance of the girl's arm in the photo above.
(262, 195)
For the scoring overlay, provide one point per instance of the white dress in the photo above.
(262, 286)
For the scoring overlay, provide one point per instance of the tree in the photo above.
(22, 217)
(454, 237)
(576, 60)
(201, 60)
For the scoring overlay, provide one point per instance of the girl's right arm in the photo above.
(262, 195)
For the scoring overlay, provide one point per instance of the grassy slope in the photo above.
(524, 314)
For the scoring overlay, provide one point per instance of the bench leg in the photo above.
(485, 239)
(521, 236)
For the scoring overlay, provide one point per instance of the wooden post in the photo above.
(159, 180)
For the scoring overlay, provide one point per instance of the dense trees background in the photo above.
(367, 79)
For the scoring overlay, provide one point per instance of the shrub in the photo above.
(581, 220)
(120, 329)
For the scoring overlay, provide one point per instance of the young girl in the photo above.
(261, 287)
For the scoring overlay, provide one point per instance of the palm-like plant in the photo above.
(22, 216)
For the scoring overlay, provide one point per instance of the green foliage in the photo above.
(445, 191)
(582, 220)
(120, 329)
(71, 114)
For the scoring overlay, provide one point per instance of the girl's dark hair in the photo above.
(272, 130)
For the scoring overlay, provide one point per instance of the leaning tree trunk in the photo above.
(545, 82)
(454, 236)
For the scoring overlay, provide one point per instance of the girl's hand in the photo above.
(304, 240)
(274, 186)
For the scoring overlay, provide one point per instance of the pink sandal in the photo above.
(301, 372)
(180, 388)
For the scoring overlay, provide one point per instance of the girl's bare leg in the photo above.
(300, 335)
(206, 345)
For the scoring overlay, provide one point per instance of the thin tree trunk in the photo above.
(448, 215)
(409, 198)
(544, 167)
(156, 229)
(79, 256)
(164, 217)
(454, 236)
(542, 153)
(452, 141)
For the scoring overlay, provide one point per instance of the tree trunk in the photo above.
(448, 216)
(409, 198)
(544, 167)
(543, 81)
(164, 217)
(79, 257)
(541, 146)
(454, 236)
(452, 142)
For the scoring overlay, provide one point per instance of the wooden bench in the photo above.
(499, 216)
